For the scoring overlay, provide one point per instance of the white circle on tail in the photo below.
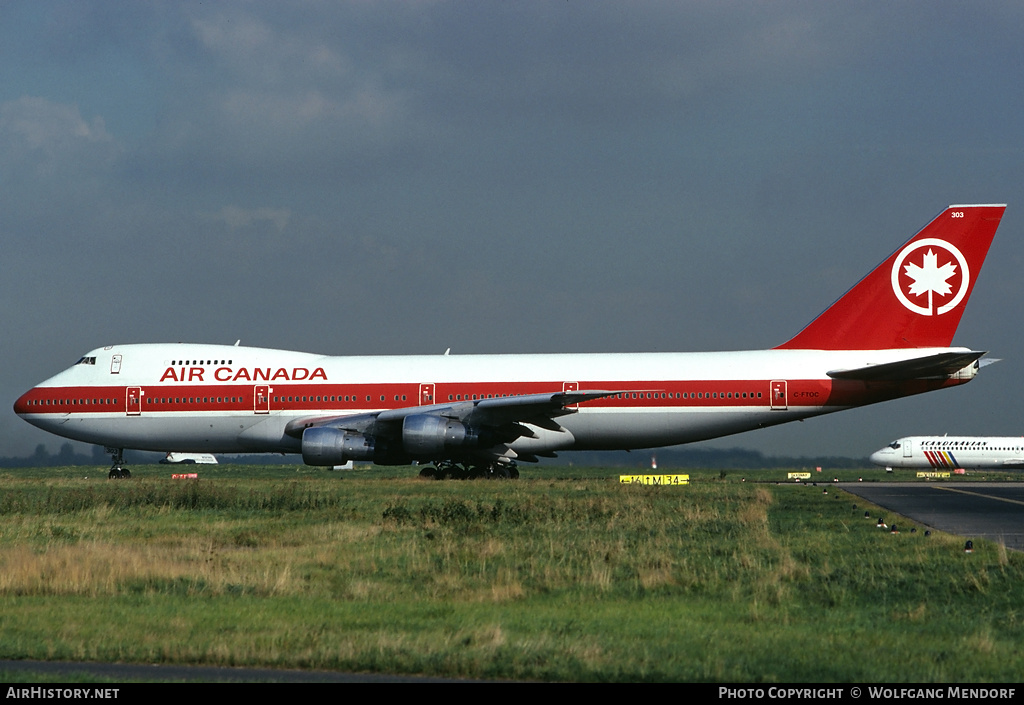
(930, 267)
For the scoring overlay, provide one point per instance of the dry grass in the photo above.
(579, 580)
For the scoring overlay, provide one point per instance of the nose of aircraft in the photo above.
(21, 406)
(881, 457)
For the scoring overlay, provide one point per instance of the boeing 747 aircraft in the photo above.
(888, 337)
(950, 452)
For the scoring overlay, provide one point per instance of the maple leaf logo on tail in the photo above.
(930, 277)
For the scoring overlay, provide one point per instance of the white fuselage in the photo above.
(229, 399)
(951, 452)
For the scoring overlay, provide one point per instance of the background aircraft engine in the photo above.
(425, 435)
(332, 446)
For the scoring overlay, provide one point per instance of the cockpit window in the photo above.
(86, 361)
(895, 445)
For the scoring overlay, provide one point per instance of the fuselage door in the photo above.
(115, 364)
(426, 394)
(261, 399)
(908, 448)
(571, 387)
(133, 401)
(778, 392)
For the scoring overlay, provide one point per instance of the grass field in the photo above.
(562, 575)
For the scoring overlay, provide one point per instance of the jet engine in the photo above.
(424, 437)
(427, 435)
(332, 446)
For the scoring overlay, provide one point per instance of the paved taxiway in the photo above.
(990, 510)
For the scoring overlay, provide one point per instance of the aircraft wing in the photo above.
(540, 409)
(929, 366)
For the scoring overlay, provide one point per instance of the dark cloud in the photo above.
(409, 176)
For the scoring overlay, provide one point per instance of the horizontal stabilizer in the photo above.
(930, 366)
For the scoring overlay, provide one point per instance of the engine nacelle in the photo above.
(332, 446)
(426, 435)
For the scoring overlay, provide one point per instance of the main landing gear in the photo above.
(448, 470)
(118, 471)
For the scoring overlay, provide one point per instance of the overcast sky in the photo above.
(565, 176)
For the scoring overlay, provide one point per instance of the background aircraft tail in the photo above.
(915, 298)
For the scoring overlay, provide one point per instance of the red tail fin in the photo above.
(915, 298)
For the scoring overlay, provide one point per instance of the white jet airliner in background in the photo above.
(951, 452)
(888, 337)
